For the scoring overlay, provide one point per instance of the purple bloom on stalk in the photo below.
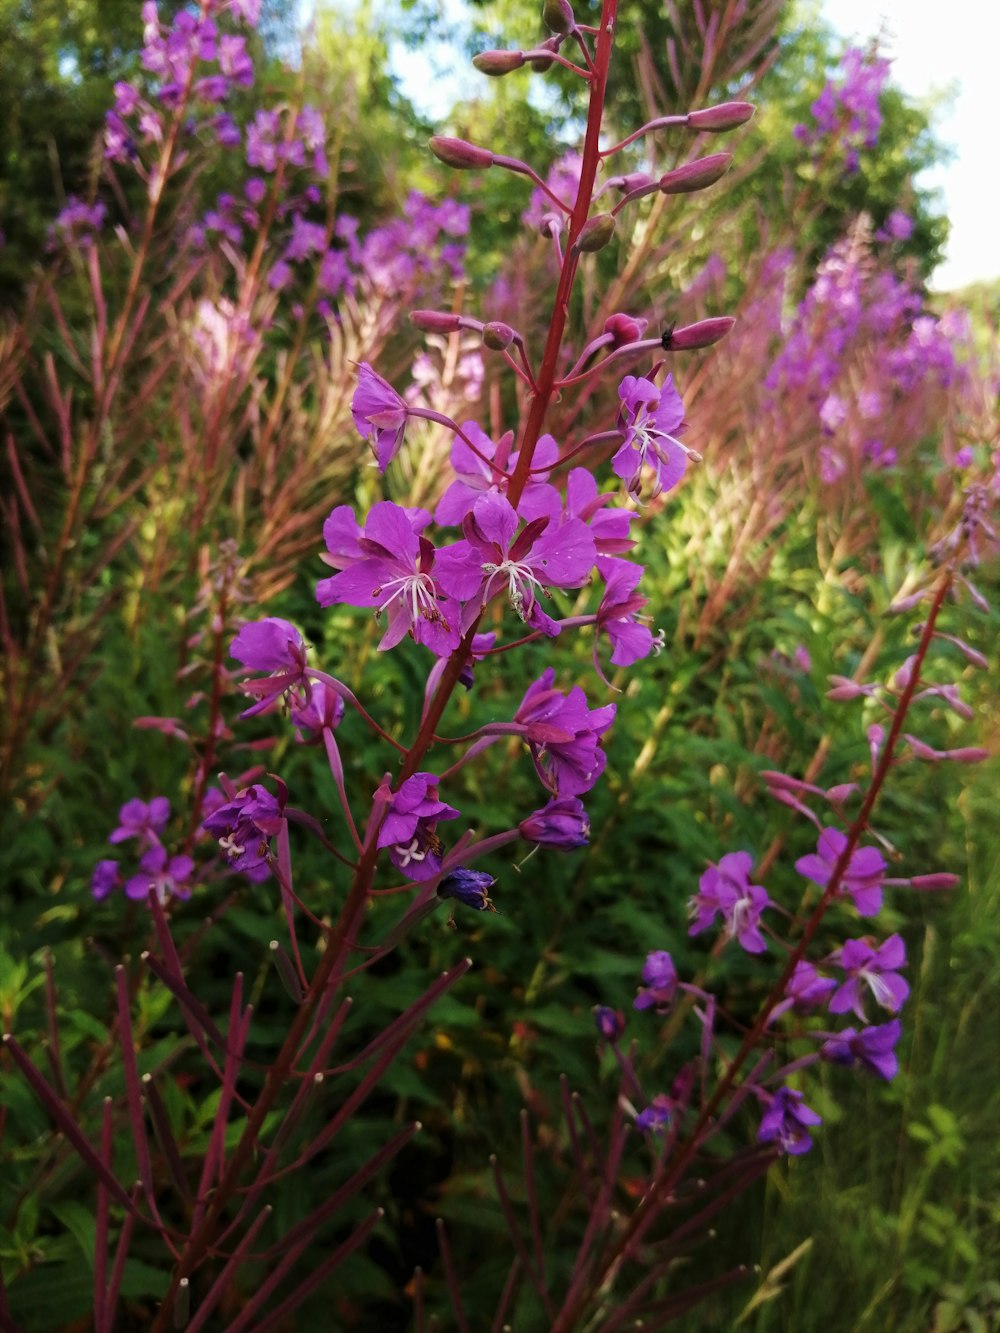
(318, 708)
(874, 968)
(650, 417)
(610, 1022)
(562, 823)
(862, 879)
(787, 1122)
(275, 646)
(563, 734)
(660, 977)
(139, 820)
(475, 476)
(806, 990)
(408, 827)
(394, 576)
(161, 875)
(873, 1047)
(655, 1118)
(244, 827)
(379, 415)
(618, 615)
(495, 557)
(105, 879)
(725, 890)
(471, 887)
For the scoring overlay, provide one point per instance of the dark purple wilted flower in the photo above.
(725, 890)
(655, 1118)
(142, 821)
(862, 880)
(408, 827)
(650, 417)
(105, 879)
(245, 826)
(475, 476)
(394, 575)
(275, 646)
(610, 1022)
(873, 1047)
(561, 823)
(787, 1122)
(379, 415)
(660, 978)
(161, 875)
(874, 968)
(471, 887)
(563, 734)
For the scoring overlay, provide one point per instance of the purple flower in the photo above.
(874, 968)
(162, 876)
(650, 416)
(408, 827)
(655, 1118)
(610, 1022)
(379, 415)
(471, 887)
(244, 827)
(394, 575)
(475, 476)
(660, 978)
(618, 615)
(787, 1121)
(862, 879)
(142, 821)
(317, 708)
(495, 557)
(806, 990)
(562, 823)
(234, 60)
(725, 890)
(105, 879)
(275, 646)
(873, 1047)
(563, 734)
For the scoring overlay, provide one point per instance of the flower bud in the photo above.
(635, 180)
(558, 16)
(610, 1023)
(469, 887)
(458, 153)
(436, 321)
(725, 116)
(597, 232)
(497, 63)
(540, 65)
(703, 334)
(497, 336)
(697, 175)
(941, 880)
(624, 329)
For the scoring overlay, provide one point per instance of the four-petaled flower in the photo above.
(862, 877)
(408, 827)
(618, 615)
(725, 890)
(161, 875)
(660, 977)
(651, 417)
(275, 646)
(475, 475)
(142, 821)
(563, 734)
(787, 1122)
(873, 1047)
(379, 414)
(874, 968)
(244, 827)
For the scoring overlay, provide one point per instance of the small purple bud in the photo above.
(703, 334)
(596, 233)
(497, 336)
(725, 116)
(470, 887)
(697, 175)
(635, 180)
(457, 153)
(498, 63)
(558, 16)
(624, 329)
(540, 64)
(931, 883)
(436, 321)
(610, 1022)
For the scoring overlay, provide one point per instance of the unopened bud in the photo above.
(558, 16)
(703, 334)
(540, 64)
(941, 880)
(436, 321)
(725, 116)
(635, 180)
(624, 329)
(697, 175)
(597, 232)
(497, 336)
(458, 153)
(497, 63)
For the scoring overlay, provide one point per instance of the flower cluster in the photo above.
(847, 110)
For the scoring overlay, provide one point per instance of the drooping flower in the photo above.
(725, 890)
(317, 708)
(475, 476)
(563, 735)
(379, 414)
(275, 646)
(618, 615)
(873, 1047)
(142, 821)
(651, 418)
(562, 823)
(874, 968)
(245, 825)
(165, 876)
(660, 978)
(787, 1122)
(862, 879)
(408, 827)
(470, 887)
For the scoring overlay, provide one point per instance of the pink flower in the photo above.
(379, 414)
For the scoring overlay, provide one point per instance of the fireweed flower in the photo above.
(563, 734)
(470, 887)
(861, 881)
(395, 577)
(245, 826)
(495, 557)
(650, 416)
(562, 823)
(408, 827)
(317, 708)
(656, 1117)
(787, 1122)
(618, 615)
(874, 968)
(105, 879)
(610, 1023)
(276, 647)
(873, 1047)
(806, 990)
(475, 476)
(660, 978)
(379, 414)
(161, 875)
(142, 821)
(725, 890)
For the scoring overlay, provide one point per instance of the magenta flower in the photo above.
(394, 576)
(873, 1047)
(475, 477)
(862, 879)
(408, 827)
(650, 417)
(660, 978)
(725, 890)
(806, 990)
(244, 827)
(276, 647)
(142, 821)
(562, 823)
(470, 887)
(318, 708)
(379, 415)
(608, 527)
(655, 1118)
(495, 558)
(166, 877)
(105, 879)
(563, 734)
(618, 615)
(874, 968)
(787, 1122)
